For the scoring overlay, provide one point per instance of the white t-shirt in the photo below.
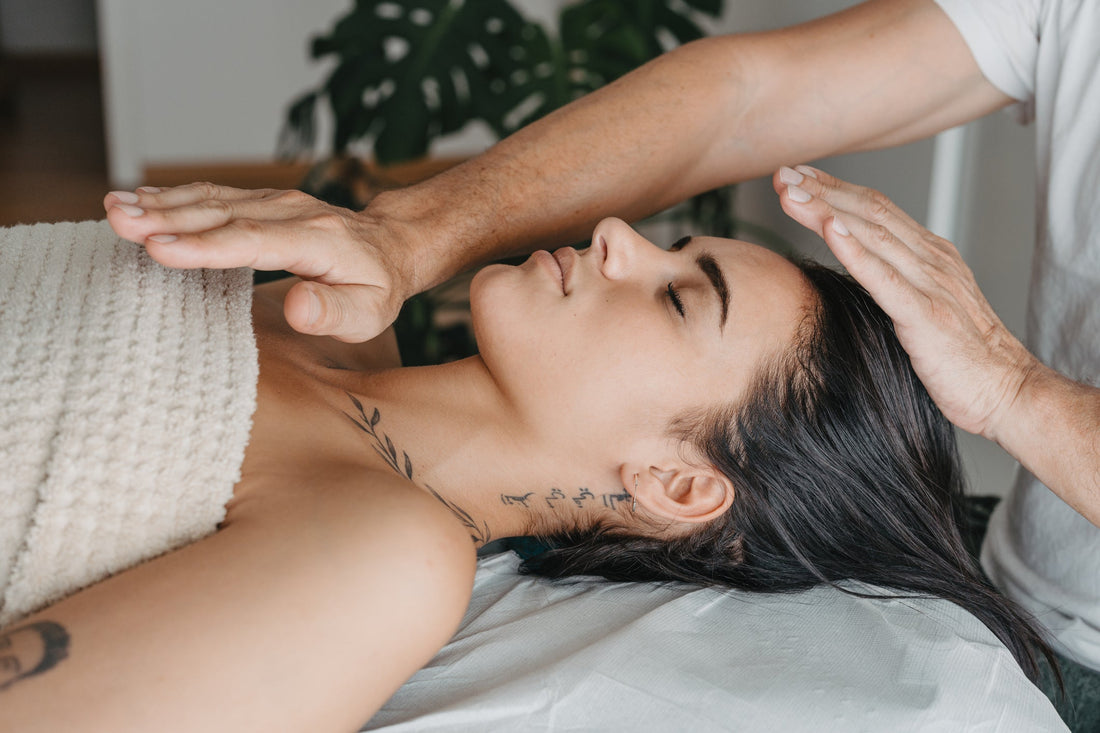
(1046, 53)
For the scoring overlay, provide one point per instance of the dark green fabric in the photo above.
(1080, 707)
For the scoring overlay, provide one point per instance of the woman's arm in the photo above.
(307, 613)
(711, 112)
(980, 375)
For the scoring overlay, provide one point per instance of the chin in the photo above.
(486, 293)
(497, 311)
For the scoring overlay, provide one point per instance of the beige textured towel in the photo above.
(126, 398)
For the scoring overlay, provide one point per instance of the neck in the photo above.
(452, 431)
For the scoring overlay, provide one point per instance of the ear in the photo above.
(679, 491)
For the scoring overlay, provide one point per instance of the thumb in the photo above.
(351, 313)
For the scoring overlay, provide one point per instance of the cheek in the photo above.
(592, 369)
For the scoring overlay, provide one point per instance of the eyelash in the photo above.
(677, 303)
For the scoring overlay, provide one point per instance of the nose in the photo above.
(624, 249)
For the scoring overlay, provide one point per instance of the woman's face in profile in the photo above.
(624, 336)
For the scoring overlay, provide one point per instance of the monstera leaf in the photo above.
(410, 72)
(600, 40)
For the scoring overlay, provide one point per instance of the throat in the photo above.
(478, 462)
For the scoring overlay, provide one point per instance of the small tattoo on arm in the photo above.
(384, 447)
(30, 650)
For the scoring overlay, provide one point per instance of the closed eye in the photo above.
(677, 303)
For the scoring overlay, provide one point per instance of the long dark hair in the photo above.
(844, 469)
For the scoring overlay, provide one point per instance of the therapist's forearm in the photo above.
(633, 147)
(715, 111)
(1053, 429)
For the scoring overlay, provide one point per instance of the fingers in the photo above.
(355, 291)
(197, 207)
(891, 255)
(307, 245)
(265, 230)
(892, 288)
(152, 197)
(864, 202)
(879, 223)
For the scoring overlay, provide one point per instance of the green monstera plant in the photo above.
(410, 72)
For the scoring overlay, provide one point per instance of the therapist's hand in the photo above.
(972, 366)
(356, 269)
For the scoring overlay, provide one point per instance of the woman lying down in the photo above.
(713, 413)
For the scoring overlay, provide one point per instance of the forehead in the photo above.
(769, 295)
(737, 254)
(754, 270)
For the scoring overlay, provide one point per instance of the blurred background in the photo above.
(102, 94)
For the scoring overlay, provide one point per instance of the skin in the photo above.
(347, 554)
(716, 111)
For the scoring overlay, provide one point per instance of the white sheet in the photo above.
(533, 655)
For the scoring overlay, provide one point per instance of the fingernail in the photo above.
(314, 308)
(839, 228)
(790, 176)
(807, 170)
(125, 197)
(797, 194)
(148, 189)
(130, 210)
(163, 238)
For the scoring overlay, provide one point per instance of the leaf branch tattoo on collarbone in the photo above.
(384, 447)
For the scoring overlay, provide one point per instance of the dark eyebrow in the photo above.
(710, 268)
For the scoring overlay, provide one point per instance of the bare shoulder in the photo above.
(391, 538)
(305, 612)
(403, 567)
(420, 536)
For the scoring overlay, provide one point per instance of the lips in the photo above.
(565, 257)
(550, 264)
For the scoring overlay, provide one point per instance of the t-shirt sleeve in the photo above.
(1003, 36)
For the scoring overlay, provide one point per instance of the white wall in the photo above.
(203, 80)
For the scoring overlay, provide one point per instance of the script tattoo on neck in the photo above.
(383, 446)
(30, 650)
(582, 497)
